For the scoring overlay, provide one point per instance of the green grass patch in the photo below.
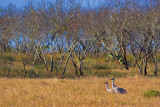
(109, 74)
(152, 93)
(100, 67)
(39, 67)
(102, 73)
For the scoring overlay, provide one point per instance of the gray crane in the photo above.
(117, 89)
(109, 90)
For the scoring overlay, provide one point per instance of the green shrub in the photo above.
(7, 57)
(38, 61)
(118, 74)
(3, 70)
(100, 67)
(17, 72)
(130, 60)
(88, 72)
(152, 93)
(109, 74)
(39, 67)
(102, 73)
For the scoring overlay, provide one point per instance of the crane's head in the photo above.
(112, 79)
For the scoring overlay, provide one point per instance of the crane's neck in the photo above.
(113, 86)
(107, 86)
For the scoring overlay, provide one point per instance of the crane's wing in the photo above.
(121, 90)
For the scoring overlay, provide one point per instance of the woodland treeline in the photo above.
(66, 30)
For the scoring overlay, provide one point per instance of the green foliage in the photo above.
(39, 67)
(130, 59)
(116, 53)
(31, 74)
(152, 93)
(117, 57)
(90, 60)
(7, 57)
(3, 70)
(16, 72)
(110, 55)
(40, 74)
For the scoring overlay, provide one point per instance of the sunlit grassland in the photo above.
(88, 92)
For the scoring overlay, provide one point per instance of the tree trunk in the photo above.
(125, 58)
(155, 71)
(56, 72)
(139, 67)
(35, 57)
(44, 62)
(136, 61)
(42, 59)
(145, 70)
(114, 57)
(145, 66)
(9, 70)
(51, 64)
(57, 68)
(25, 72)
(65, 67)
(81, 67)
(155, 65)
(46, 67)
(75, 66)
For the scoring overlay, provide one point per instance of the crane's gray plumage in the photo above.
(117, 89)
(109, 90)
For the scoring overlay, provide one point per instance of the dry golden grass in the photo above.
(85, 92)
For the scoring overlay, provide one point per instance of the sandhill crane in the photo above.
(117, 89)
(109, 90)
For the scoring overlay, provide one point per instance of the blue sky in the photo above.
(18, 3)
(21, 3)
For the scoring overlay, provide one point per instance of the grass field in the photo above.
(85, 92)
